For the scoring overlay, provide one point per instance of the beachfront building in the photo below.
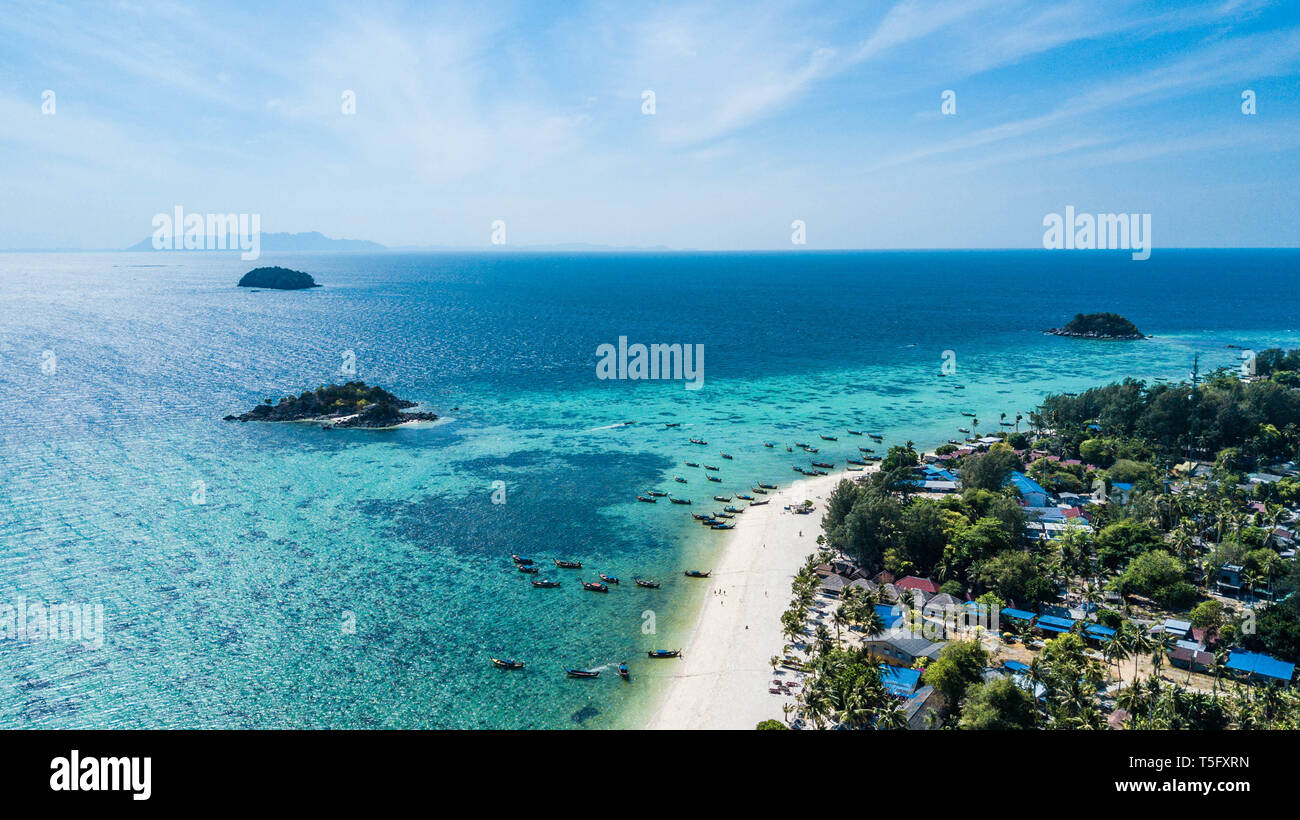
(902, 650)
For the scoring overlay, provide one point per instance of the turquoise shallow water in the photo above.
(362, 578)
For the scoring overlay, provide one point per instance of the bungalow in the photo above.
(944, 487)
(1052, 623)
(863, 584)
(941, 606)
(900, 681)
(1031, 491)
(902, 650)
(1097, 632)
(1181, 630)
(922, 709)
(924, 585)
(1197, 660)
(1123, 489)
(833, 585)
(1262, 478)
(1263, 666)
(1229, 580)
(1019, 617)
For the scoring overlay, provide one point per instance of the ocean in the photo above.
(268, 576)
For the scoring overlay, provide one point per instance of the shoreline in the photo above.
(723, 677)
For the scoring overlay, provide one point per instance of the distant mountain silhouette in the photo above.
(309, 241)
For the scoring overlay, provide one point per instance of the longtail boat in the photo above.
(854, 469)
(568, 564)
(826, 464)
(697, 573)
(546, 583)
(506, 663)
(623, 672)
(698, 441)
(768, 486)
(519, 559)
(691, 463)
(656, 493)
(679, 479)
(744, 497)
(645, 499)
(760, 503)
(757, 490)
(581, 673)
(594, 586)
(855, 432)
(530, 568)
(768, 444)
(727, 526)
(680, 500)
(812, 450)
(714, 479)
(722, 498)
(609, 579)
(702, 516)
(856, 461)
(829, 438)
(710, 467)
(641, 582)
(672, 424)
(664, 653)
(727, 456)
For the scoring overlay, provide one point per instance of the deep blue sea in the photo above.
(258, 575)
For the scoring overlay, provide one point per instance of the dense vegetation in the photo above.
(1100, 326)
(277, 278)
(354, 404)
(1155, 553)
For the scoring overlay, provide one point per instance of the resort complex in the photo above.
(1126, 561)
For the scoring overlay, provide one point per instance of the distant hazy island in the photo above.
(354, 404)
(277, 278)
(309, 241)
(1099, 326)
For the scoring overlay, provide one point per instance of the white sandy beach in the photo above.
(723, 679)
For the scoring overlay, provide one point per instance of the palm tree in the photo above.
(891, 716)
(1140, 642)
(1160, 646)
(1116, 651)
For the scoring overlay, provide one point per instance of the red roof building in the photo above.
(922, 584)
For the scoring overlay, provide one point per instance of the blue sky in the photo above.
(764, 113)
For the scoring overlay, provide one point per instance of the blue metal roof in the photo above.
(1054, 623)
(1100, 632)
(899, 681)
(944, 475)
(1259, 664)
(1016, 666)
(1025, 484)
(1018, 614)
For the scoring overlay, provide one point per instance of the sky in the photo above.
(764, 113)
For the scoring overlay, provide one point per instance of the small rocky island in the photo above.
(1109, 326)
(277, 278)
(354, 404)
